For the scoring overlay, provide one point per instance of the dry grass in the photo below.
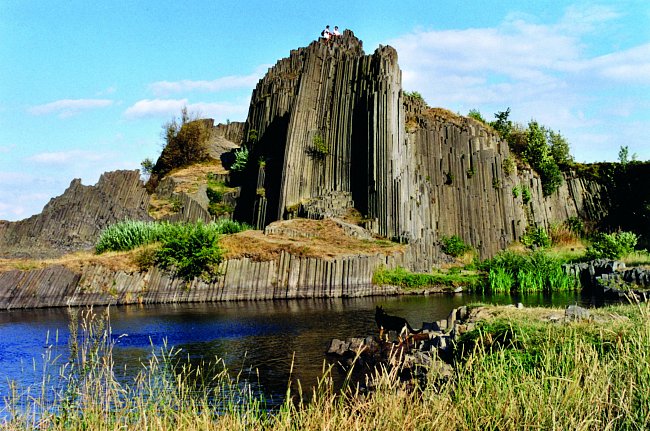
(160, 208)
(189, 178)
(115, 261)
(313, 238)
(318, 238)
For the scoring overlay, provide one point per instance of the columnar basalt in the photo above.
(74, 220)
(331, 121)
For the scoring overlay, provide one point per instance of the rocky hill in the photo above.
(330, 133)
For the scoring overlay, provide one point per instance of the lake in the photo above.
(259, 339)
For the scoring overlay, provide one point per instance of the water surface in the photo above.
(259, 339)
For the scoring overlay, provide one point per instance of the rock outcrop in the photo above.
(330, 133)
(335, 130)
(73, 221)
(288, 277)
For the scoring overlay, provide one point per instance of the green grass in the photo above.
(128, 235)
(536, 271)
(514, 371)
(189, 250)
(410, 280)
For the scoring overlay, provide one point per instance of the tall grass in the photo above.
(531, 272)
(511, 374)
(130, 234)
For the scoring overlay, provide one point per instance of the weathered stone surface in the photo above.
(415, 174)
(74, 220)
(289, 277)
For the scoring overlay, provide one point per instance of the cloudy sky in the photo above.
(86, 86)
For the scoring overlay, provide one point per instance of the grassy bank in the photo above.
(517, 370)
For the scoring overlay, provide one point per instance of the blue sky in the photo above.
(86, 86)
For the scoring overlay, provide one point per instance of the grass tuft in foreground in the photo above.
(514, 371)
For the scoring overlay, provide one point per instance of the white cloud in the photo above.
(172, 107)
(69, 107)
(628, 66)
(6, 148)
(541, 71)
(148, 108)
(165, 88)
(66, 157)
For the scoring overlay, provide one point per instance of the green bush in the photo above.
(454, 246)
(241, 160)
(319, 149)
(535, 237)
(476, 114)
(611, 245)
(193, 252)
(185, 144)
(415, 95)
(508, 166)
(190, 249)
(538, 154)
(525, 195)
(532, 272)
(515, 192)
(575, 225)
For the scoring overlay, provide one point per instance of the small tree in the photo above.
(476, 114)
(502, 125)
(559, 148)
(185, 143)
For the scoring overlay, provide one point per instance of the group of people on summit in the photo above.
(328, 34)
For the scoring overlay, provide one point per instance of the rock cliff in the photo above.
(74, 220)
(331, 134)
(335, 130)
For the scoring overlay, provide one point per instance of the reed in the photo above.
(512, 372)
(130, 234)
(537, 271)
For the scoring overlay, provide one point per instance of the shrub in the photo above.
(560, 150)
(611, 245)
(185, 143)
(508, 166)
(415, 95)
(538, 154)
(241, 160)
(515, 192)
(535, 237)
(470, 172)
(476, 115)
(575, 225)
(454, 246)
(502, 125)
(525, 195)
(319, 149)
(193, 252)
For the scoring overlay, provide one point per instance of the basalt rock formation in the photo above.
(74, 220)
(331, 134)
(335, 130)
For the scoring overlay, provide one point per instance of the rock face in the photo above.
(335, 130)
(74, 220)
(289, 277)
(329, 130)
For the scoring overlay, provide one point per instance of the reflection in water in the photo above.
(264, 336)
